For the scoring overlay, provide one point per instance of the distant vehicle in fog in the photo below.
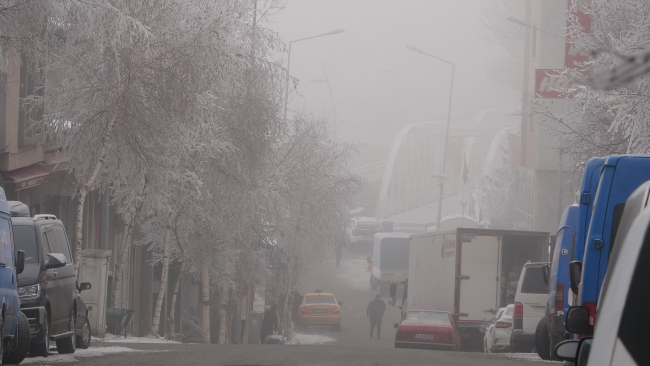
(469, 272)
(361, 232)
(427, 329)
(390, 260)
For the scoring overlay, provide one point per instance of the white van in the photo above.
(530, 301)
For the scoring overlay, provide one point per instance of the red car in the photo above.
(427, 329)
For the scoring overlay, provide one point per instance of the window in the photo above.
(319, 299)
(64, 245)
(394, 253)
(426, 317)
(51, 239)
(6, 249)
(534, 281)
(616, 220)
(635, 322)
(25, 239)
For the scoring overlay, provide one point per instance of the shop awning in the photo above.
(28, 176)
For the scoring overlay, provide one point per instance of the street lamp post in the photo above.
(286, 87)
(444, 153)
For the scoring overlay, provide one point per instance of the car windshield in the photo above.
(319, 299)
(427, 318)
(25, 240)
(534, 281)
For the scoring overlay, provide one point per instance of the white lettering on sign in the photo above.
(553, 84)
(448, 248)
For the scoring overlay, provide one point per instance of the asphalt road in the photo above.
(350, 346)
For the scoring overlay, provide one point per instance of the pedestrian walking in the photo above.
(375, 312)
(339, 250)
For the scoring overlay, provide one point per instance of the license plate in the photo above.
(320, 310)
(424, 336)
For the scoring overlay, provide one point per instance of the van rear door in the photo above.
(532, 294)
(478, 277)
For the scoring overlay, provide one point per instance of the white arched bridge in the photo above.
(408, 181)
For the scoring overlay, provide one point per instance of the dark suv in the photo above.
(47, 285)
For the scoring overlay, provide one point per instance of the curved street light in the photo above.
(286, 87)
(444, 152)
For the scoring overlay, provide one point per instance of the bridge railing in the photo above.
(371, 173)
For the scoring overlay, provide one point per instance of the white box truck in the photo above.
(390, 260)
(470, 273)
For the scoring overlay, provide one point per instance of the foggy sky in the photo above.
(378, 85)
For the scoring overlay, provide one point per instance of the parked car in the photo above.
(622, 320)
(498, 332)
(320, 309)
(83, 324)
(361, 232)
(427, 329)
(530, 301)
(14, 327)
(550, 330)
(47, 287)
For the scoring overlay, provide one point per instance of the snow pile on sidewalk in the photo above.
(120, 339)
(526, 357)
(306, 339)
(354, 271)
(79, 353)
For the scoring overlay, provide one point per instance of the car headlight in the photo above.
(29, 291)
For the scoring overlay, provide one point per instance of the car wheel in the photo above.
(83, 341)
(23, 337)
(541, 340)
(68, 344)
(42, 348)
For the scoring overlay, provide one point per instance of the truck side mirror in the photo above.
(86, 286)
(20, 261)
(546, 273)
(55, 260)
(577, 320)
(567, 350)
(575, 271)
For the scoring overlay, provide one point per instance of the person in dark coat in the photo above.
(375, 312)
(270, 322)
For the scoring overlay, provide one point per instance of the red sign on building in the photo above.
(550, 84)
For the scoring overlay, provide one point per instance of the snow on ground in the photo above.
(354, 271)
(79, 353)
(526, 356)
(120, 339)
(310, 339)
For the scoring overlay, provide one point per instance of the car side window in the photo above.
(52, 240)
(635, 321)
(44, 244)
(64, 245)
(6, 249)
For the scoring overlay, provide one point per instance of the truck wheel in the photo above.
(43, 347)
(83, 341)
(68, 344)
(22, 342)
(541, 340)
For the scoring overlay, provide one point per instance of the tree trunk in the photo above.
(223, 316)
(127, 237)
(205, 301)
(155, 327)
(177, 286)
(286, 311)
(292, 294)
(86, 186)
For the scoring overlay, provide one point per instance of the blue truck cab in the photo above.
(14, 327)
(620, 175)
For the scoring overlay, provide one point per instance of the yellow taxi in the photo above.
(320, 308)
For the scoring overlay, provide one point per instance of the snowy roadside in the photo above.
(310, 339)
(527, 357)
(354, 271)
(80, 353)
(110, 338)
